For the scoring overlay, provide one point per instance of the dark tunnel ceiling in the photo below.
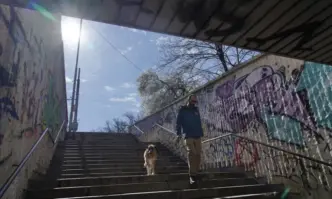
(294, 28)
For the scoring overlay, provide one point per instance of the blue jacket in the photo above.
(189, 121)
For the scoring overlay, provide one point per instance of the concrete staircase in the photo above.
(100, 166)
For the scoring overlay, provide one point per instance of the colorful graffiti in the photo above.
(222, 149)
(246, 153)
(286, 105)
(31, 131)
(29, 101)
(52, 110)
(7, 106)
(6, 158)
(14, 25)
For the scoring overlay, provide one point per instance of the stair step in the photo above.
(96, 162)
(105, 148)
(110, 148)
(133, 187)
(106, 145)
(126, 145)
(107, 157)
(268, 195)
(117, 161)
(105, 138)
(194, 193)
(101, 141)
(106, 141)
(96, 165)
(113, 152)
(114, 155)
(104, 166)
(122, 169)
(117, 173)
(109, 179)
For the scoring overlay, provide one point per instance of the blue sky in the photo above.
(108, 80)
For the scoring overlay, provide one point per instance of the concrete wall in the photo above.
(32, 91)
(276, 100)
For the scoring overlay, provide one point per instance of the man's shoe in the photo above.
(192, 180)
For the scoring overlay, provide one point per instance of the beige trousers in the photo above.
(194, 148)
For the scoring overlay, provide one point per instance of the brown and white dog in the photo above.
(150, 158)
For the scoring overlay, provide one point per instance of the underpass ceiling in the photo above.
(294, 28)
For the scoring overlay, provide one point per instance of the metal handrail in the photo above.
(58, 134)
(169, 131)
(166, 129)
(138, 129)
(261, 143)
(12, 176)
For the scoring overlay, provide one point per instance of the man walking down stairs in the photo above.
(102, 166)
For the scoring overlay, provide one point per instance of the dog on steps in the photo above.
(150, 158)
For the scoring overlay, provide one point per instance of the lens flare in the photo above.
(285, 193)
(42, 11)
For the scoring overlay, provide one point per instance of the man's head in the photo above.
(192, 100)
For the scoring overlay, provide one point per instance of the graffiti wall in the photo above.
(32, 90)
(283, 102)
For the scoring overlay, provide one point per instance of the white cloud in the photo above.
(68, 80)
(108, 88)
(128, 85)
(123, 99)
(137, 104)
(131, 98)
(133, 30)
(134, 110)
(162, 39)
(132, 94)
(83, 80)
(137, 31)
(127, 50)
(144, 32)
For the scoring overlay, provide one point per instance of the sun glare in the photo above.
(71, 31)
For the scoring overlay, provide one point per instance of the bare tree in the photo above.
(185, 64)
(158, 91)
(198, 59)
(131, 118)
(120, 125)
(108, 127)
